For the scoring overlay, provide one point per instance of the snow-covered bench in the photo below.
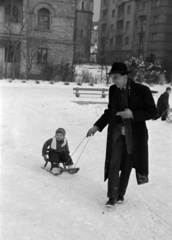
(153, 92)
(95, 91)
(91, 91)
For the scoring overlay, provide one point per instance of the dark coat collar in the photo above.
(133, 96)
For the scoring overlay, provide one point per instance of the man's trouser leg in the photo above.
(125, 172)
(113, 175)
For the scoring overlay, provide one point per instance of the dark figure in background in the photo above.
(57, 150)
(130, 105)
(163, 105)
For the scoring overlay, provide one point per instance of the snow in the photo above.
(39, 206)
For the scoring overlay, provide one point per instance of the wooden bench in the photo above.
(153, 92)
(95, 91)
(91, 91)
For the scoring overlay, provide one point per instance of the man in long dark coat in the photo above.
(163, 105)
(130, 105)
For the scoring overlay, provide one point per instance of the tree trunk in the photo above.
(6, 63)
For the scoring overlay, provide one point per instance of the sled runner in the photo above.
(70, 170)
(62, 170)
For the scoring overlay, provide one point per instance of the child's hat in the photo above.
(61, 130)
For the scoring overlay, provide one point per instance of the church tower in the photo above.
(83, 29)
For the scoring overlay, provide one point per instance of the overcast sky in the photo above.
(96, 10)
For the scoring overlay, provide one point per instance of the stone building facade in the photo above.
(34, 33)
(83, 30)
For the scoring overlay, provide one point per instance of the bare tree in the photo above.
(13, 35)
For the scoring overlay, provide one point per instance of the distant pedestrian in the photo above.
(57, 150)
(163, 105)
(130, 105)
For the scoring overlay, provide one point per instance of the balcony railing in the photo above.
(120, 16)
(119, 31)
(118, 46)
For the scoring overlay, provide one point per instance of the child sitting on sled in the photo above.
(57, 150)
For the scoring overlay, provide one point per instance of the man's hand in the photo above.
(92, 131)
(125, 114)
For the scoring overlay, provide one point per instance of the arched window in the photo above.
(43, 19)
(12, 13)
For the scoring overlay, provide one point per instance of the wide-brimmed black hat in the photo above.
(119, 67)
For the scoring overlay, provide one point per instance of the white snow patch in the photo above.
(36, 205)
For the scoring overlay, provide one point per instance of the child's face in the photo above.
(59, 136)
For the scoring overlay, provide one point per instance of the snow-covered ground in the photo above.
(35, 205)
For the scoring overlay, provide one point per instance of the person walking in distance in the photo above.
(163, 105)
(130, 105)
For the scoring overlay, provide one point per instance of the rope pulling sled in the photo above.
(69, 170)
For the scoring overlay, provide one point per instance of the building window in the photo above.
(103, 41)
(112, 27)
(127, 25)
(126, 40)
(42, 55)
(156, 3)
(121, 9)
(141, 21)
(111, 43)
(83, 5)
(138, 6)
(44, 19)
(144, 5)
(119, 39)
(154, 37)
(113, 13)
(12, 13)
(9, 54)
(104, 14)
(104, 27)
(105, 2)
(129, 9)
(155, 19)
(120, 24)
(82, 33)
(91, 6)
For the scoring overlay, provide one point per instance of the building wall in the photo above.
(58, 39)
(142, 23)
(160, 31)
(83, 30)
(154, 37)
(116, 50)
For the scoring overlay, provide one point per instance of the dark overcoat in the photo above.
(142, 105)
(162, 103)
